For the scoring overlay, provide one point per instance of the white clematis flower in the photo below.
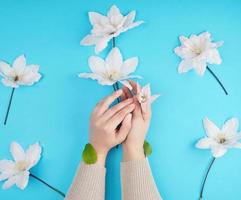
(107, 27)
(111, 70)
(17, 171)
(144, 96)
(220, 140)
(197, 52)
(19, 74)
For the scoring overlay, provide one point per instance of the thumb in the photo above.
(124, 129)
(146, 110)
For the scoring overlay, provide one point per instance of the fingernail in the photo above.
(119, 91)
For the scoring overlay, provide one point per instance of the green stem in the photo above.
(217, 79)
(49, 186)
(9, 106)
(204, 181)
(113, 42)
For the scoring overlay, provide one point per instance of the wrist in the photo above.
(133, 152)
(101, 158)
(101, 154)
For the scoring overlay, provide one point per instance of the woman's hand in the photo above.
(133, 145)
(110, 126)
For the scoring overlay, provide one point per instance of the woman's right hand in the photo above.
(133, 145)
(110, 126)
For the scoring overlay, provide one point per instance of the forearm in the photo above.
(88, 184)
(136, 177)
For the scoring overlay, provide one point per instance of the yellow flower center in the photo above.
(21, 165)
(114, 75)
(198, 50)
(221, 138)
(16, 78)
(143, 98)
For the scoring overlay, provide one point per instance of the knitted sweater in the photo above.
(136, 181)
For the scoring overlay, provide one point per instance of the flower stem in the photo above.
(217, 79)
(210, 166)
(113, 42)
(51, 187)
(9, 106)
(115, 86)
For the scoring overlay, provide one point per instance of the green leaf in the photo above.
(147, 148)
(89, 154)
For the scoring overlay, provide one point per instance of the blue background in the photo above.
(56, 110)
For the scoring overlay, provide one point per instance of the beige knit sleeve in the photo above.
(137, 181)
(88, 184)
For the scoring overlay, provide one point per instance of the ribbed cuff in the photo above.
(137, 181)
(88, 184)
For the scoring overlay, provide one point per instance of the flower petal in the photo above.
(217, 44)
(22, 180)
(205, 143)
(89, 40)
(6, 169)
(97, 65)
(237, 145)
(29, 75)
(130, 18)
(218, 151)
(17, 152)
(96, 18)
(5, 69)
(19, 62)
(6, 164)
(102, 44)
(132, 25)
(9, 83)
(9, 183)
(114, 11)
(146, 90)
(211, 129)
(200, 67)
(231, 126)
(205, 36)
(114, 59)
(90, 75)
(129, 66)
(33, 154)
(184, 66)
(154, 97)
(213, 57)
(129, 77)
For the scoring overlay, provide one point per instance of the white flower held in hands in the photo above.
(144, 96)
(107, 27)
(18, 171)
(111, 70)
(20, 74)
(219, 141)
(197, 52)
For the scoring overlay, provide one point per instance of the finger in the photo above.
(134, 85)
(127, 92)
(123, 96)
(105, 103)
(124, 129)
(146, 110)
(113, 110)
(119, 116)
